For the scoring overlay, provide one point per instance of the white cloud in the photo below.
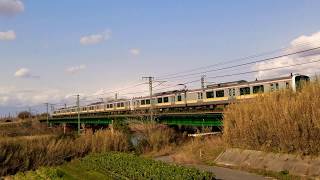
(299, 44)
(11, 96)
(95, 38)
(135, 51)
(7, 35)
(24, 73)
(11, 7)
(76, 69)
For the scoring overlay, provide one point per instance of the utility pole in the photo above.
(185, 93)
(116, 96)
(78, 107)
(47, 105)
(150, 81)
(30, 113)
(202, 81)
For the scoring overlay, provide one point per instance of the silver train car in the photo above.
(207, 98)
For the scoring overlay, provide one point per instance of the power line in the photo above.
(115, 91)
(267, 69)
(244, 64)
(236, 60)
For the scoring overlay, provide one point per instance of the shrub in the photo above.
(115, 165)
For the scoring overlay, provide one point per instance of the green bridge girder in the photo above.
(192, 120)
(184, 119)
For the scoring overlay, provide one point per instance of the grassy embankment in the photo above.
(114, 165)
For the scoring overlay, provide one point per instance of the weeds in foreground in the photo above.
(18, 154)
(199, 150)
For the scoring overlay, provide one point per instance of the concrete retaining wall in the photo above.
(296, 165)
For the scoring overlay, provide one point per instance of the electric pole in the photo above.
(47, 105)
(202, 82)
(185, 93)
(150, 81)
(116, 96)
(78, 107)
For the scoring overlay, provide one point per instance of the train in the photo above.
(210, 97)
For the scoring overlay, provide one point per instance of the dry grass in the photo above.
(155, 139)
(18, 154)
(280, 122)
(26, 128)
(199, 150)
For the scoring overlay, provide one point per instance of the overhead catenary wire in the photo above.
(210, 77)
(266, 69)
(238, 59)
(244, 64)
(267, 59)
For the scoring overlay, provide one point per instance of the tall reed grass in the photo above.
(283, 121)
(155, 139)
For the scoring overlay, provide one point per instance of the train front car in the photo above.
(298, 81)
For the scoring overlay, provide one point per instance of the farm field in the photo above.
(115, 165)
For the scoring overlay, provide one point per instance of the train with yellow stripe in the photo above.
(208, 98)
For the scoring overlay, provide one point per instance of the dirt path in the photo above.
(220, 172)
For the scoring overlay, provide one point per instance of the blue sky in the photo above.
(133, 39)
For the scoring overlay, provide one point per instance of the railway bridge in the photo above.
(196, 119)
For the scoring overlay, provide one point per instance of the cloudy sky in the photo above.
(51, 50)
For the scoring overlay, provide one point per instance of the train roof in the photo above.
(227, 84)
(243, 82)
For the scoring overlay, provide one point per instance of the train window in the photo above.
(118, 104)
(220, 93)
(147, 101)
(122, 104)
(108, 106)
(111, 105)
(143, 102)
(232, 92)
(271, 87)
(258, 89)
(277, 85)
(301, 80)
(244, 90)
(179, 98)
(287, 85)
(200, 95)
(209, 94)
(159, 100)
(166, 99)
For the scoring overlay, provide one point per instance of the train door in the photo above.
(232, 93)
(200, 96)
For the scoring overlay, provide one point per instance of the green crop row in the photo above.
(114, 165)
